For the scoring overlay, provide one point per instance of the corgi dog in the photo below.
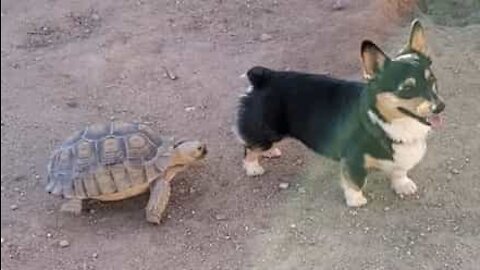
(380, 124)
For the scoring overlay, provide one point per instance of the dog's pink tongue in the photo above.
(436, 121)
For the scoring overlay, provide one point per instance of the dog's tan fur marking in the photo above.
(387, 104)
(373, 60)
(418, 41)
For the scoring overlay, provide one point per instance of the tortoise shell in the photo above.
(108, 162)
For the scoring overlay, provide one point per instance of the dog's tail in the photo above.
(259, 76)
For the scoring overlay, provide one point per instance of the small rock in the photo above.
(293, 226)
(3, 240)
(16, 189)
(13, 207)
(169, 74)
(49, 235)
(72, 104)
(220, 217)
(455, 171)
(19, 178)
(189, 109)
(338, 5)
(64, 243)
(386, 208)
(95, 17)
(284, 185)
(92, 211)
(265, 37)
(95, 255)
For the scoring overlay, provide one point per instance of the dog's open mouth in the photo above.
(435, 120)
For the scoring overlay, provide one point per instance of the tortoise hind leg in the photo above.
(73, 206)
(159, 197)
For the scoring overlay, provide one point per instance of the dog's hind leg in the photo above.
(251, 162)
(352, 181)
(273, 152)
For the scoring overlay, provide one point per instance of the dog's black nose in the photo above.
(439, 108)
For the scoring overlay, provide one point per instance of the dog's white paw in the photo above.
(355, 198)
(272, 153)
(404, 186)
(253, 168)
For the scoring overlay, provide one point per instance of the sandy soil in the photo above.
(69, 63)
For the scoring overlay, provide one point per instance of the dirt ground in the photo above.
(69, 63)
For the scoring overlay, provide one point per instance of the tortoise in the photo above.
(118, 160)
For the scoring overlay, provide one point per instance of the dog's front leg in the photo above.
(352, 179)
(401, 183)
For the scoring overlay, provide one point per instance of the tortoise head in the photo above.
(187, 152)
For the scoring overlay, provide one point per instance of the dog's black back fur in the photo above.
(322, 112)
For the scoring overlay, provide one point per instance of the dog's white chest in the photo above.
(407, 155)
(412, 138)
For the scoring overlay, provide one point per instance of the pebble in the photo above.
(19, 178)
(49, 235)
(95, 255)
(95, 17)
(298, 162)
(293, 226)
(338, 5)
(72, 104)
(189, 109)
(455, 171)
(386, 208)
(64, 243)
(13, 207)
(220, 217)
(265, 37)
(2, 240)
(284, 185)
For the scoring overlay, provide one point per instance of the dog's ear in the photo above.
(417, 41)
(373, 59)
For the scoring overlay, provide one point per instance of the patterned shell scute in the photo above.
(105, 159)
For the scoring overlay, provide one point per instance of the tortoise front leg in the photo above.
(159, 196)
